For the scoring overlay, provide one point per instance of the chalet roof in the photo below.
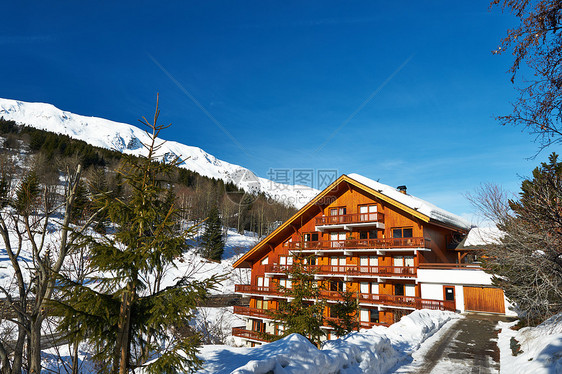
(417, 207)
(422, 206)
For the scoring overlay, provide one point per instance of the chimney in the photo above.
(402, 189)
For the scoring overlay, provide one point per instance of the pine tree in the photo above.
(125, 316)
(344, 314)
(213, 244)
(303, 312)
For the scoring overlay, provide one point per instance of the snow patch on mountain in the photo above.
(129, 139)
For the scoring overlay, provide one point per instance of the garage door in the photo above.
(484, 299)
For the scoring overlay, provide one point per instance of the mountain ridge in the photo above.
(129, 139)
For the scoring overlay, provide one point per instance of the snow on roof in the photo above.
(479, 236)
(413, 202)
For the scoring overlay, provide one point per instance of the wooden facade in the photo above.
(359, 238)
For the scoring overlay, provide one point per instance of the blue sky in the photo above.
(401, 92)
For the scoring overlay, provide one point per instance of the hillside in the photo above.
(128, 139)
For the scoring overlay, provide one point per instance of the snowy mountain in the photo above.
(128, 139)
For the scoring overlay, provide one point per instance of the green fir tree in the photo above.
(212, 241)
(124, 314)
(344, 314)
(303, 312)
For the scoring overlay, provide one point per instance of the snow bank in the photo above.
(377, 350)
(540, 348)
(413, 202)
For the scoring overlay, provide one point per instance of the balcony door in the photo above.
(398, 263)
(410, 290)
(367, 213)
(263, 282)
(337, 239)
(338, 264)
(336, 214)
(369, 264)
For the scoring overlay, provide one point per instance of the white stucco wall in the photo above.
(474, 277)
(432, 281)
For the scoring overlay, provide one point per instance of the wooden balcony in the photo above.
(259, 290)
(407, 301)
(252, 335)
(381, 243)
(366, 271)
(451, 266)
(251, 312)
(362, 324)
(350, 218)
(348, 270)
(375, 299)
(395, 301)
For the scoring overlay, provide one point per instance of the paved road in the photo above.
(469, 346)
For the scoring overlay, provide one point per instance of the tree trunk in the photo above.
(75, 362)
(121, 353)
(18, 349)
(35, 344)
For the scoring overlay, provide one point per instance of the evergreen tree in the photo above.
(125, 316)
(344, 314)
(303, 312)
(212, 241)
(527, 260)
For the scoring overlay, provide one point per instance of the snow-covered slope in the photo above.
(128, 139)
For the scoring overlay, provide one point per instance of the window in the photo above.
(339, 211)
(409, 261)
(336, 286)
(336, 214)
(399, 289)
(372, 234)
(285, 283)
(310, 260)
(364, 315)
(337, 239)
(369, 261)
(410, 290)
(374, 316)
(402, 232)
(259, 304)
(265, 261)
(364, 287)
(449, 293)
(285, 260)
(367, 213)
(258, 325)
(311, 237)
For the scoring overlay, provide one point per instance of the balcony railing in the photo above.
(449, 266)
(381, 243)
(251, 312)
(358, 270)
(251, 289)
(395, 300)
(350, 270)
(254, 335)
(350, 218)
(380, 299)
(407, 301)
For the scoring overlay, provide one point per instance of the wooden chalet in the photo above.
(397, 252)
